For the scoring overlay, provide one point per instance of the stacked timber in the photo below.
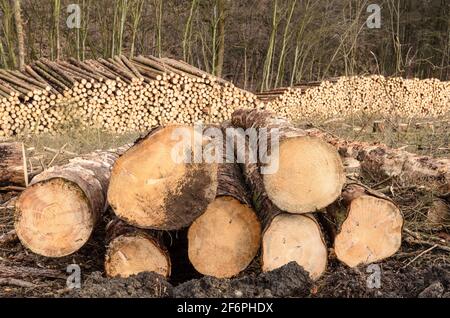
(116, 94)
(373, 94)
(235, 210)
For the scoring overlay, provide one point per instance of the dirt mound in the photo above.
(395, 282)
(143, 285)
(288, 281)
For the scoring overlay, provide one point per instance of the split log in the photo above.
(56, 214)
(158, 185)
(13, 165)
(286, 237)
(132, 251)
(226, 238)
(310, 173)
(366, 226)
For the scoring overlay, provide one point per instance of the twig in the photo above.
(56, 155)
(421, 254)
(12, 188)
(62, 151)
(16, 282)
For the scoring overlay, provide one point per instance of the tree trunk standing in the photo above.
(286, 237)
(220, 38)
(158, 185)
(366, 226)
(56, 214)
(56, 12)
(132, 251)
(20, 34)
(13, 165)
(308, 172)
(226, 238)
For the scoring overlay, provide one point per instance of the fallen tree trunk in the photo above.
(13, 165)
(366, 226)
(226, 238)
(132, 251)
(56, 214)
(286, 237)
(310, 173)
(158, 185)
(382, 161)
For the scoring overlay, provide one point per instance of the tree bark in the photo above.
(132, 251)
(308, 172)
(382, 161)
(13, 165)
(150, 189)
(20, 34)
(221, 38)
(56, 214)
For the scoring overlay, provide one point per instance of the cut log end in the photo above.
(53, 218)
(291, 237)
(150, 189)
(225, 239)
(310, 176)
(136, 253)
(371, 232)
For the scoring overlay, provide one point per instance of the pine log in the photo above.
(286, 237)
(132, 251)
(152, 189)
(226, 238)
(310, 173)
(382, 161)
(56, 214)
(365, 224)
(13, 165)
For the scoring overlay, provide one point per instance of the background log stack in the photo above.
(373, 94)
(120, 95)
(115, 94)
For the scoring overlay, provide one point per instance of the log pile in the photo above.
(232, 210)
(116, 94)
(374, 94)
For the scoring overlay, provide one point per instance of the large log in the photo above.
(226, 238)
(158, 185)
(286, 237)
(13, 165)
(56, 214)
(310, 173)
(132, 251)
(366, 226)
(382, 161)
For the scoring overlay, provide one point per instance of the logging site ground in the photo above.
(420, 268)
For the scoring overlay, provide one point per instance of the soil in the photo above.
(143, 285)
(288, 281)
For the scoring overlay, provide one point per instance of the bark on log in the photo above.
(226, 238)
(310, 173)
(13, 165)
(382, 161)
(286, 237)
(132, 251)
(56, 214)
(157, 184)
(365, 224)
